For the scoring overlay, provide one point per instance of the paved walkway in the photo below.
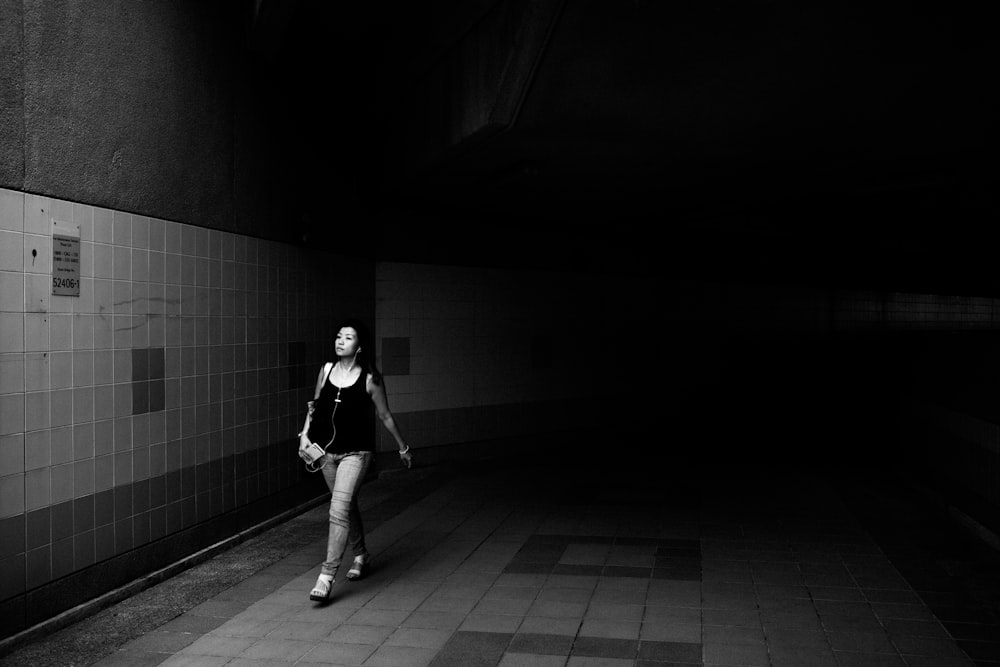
(585, 568)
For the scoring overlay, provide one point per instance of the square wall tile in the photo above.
(61, 407)
(103, 226)
(11, 332)
(121, 297)
(83, 368)
(36, 332)
(37, 293)
(103, 297)
(60, 332)
(104, 366)
(103, 260)
(11, 495)
(83, 405)
(104, 401)
(156, 234)
(11, 454)
(36, 410)
(140, 231)
(104, 476)
(11, 373)
(140, 265)
(83, 331)
(11, 210)
(84, 480)
(38, 254)
(37, 449)
(12, 533)
(61, 444)
(83, 441)
(11, 292)
(37, 492)
(11, 251)
(104, 332)
(36, 370)
(83, 215)
(122, 228)
(37, 214)
(60, 370)
(61, 483)
(104, 437)
(38, 528)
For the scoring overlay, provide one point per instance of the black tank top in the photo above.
(353, 419)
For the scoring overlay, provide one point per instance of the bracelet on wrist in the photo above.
(404, 450)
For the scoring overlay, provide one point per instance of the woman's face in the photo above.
(347, 342)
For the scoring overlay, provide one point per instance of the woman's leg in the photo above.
(356, 533)
(344, 474)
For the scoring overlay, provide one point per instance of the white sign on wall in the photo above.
(65, 258)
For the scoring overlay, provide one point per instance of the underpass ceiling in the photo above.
(839, 143)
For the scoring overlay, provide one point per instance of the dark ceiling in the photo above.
(847, 144)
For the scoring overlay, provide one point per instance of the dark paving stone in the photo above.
(528, 568)
(540, 644)
(677, 652)
(542, 553)
(472, 649)
(601, 647)
(678, 575)
(578, 570)
(622, 571)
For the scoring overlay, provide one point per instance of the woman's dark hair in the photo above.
(366, 357)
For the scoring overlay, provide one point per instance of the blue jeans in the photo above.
(344, 474)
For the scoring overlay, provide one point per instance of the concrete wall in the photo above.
(149, 108)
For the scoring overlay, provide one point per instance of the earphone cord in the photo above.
(336, 402)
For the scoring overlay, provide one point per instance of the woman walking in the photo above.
(338, 420)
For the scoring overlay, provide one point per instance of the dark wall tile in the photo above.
(83, 549)
(39, 527)
(157, 491)
(83, 514)
(173, 486)
(62, 557)
(123, 535)
(62, 520)
(156, 363)
(140, 529)
(12, 583)
(104, 508)
(140, 364)
(396, 356)
(157, 522)
(140, 496)
(140, 398)
(12, 535)
(38, 567)
(104, 542)
(156, 396)
(123, 502)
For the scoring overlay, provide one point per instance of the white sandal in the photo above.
(321, 591)
(358, 567)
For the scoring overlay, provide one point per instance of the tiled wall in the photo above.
(477, 354)
(474, 354)
(165, 395)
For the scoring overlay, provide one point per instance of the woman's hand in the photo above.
(406, 457)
